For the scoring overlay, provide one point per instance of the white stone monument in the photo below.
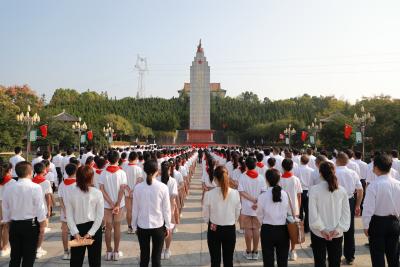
(199, 130)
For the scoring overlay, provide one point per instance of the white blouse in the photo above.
(151, 206)
(270, 212)
(82, 207)
(219, 211)
(328, 211)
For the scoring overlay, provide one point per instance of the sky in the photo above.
(274, 48)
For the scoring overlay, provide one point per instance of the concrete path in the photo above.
(189, 246)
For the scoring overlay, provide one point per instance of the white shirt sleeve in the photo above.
(135, 210)
(344, 222)
(70, 218)
(166, 209)
(206, 207)
(39, 203)
(314, 219)
(369, 206)
(99, 214)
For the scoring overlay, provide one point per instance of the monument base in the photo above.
(200, 137)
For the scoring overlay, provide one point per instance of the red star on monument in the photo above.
(200, 61)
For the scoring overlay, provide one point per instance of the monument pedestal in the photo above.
(200, 136)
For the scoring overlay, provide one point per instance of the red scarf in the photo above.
(132, 164)
(113, 168)
(38, 179)
(260, 164)
(69, 181)
(287, 174)
(6, 179)
(252, 174)
(98, 171)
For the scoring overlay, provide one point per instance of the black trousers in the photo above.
(349, 248)
(320, 246)
(384, 240)
(304, 210)
(59, 175)
(24, 237)
(364, 185)
(224, 237)
(275, 238)
(156, 236)
(94, 251)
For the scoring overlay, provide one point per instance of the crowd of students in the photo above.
(280, 186)
(147, 187)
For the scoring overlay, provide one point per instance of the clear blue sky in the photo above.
(277, 49)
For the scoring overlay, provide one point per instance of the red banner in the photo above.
(43, 130)
(304, 135)
(90, 135)
(347, 131)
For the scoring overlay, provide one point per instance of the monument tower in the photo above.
(199, 130)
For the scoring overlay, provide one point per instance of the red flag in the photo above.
(304, 135)
(281, 136)
(90, 135)
(43, 130)
(347, 131)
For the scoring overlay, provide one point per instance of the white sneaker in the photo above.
(292, 255)
(66, 256)
(130, 231)
(175, 230)
(241, 231)
(248, 255)
(163, 254)
(47, 229)
(254, 255)
(167, 254)
(116, 256)
(5, 252)
(109, 256)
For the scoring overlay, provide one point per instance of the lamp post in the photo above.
(108, 131)
(315, 128)
(79, 127)
(29, 121)
(362, 122)
(289, 132)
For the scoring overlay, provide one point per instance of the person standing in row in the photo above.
(221, 210)
(84, 211)
(24, 209)
(113, 183)
(15, 159)
(5, 181)
(272, 211)
(350, 181)
(381, 214)
(304, 173)
(329, 215)
(251, 184)
(292, 185)
(151, 215)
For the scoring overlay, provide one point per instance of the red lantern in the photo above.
(304, 135)
(90, 135)
(43, 130)
(347, 131)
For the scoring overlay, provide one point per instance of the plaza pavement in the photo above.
(189, 246)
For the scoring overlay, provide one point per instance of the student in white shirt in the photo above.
(363, 172)
(57, 161)
(5, 181)
(98, 168)
(304, 173)
(350, 181)
(292, 185)
(251, 184)
(395, 160)
(272, 211)
(151, 215)
(381, 214)
(63, 190)
(66, 159)
(173, 194)
(39, 158)
(221, 210)
(260, 167)
(113, 184)
(84, 211)
(329, 217)
(24, 210)
(15, 159)
(134, 175)
(40, 179)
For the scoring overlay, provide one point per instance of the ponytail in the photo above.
(327, 171)
(210, 170)
(273, 176)
(165, 172)
(150, 167)
(221, 175)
